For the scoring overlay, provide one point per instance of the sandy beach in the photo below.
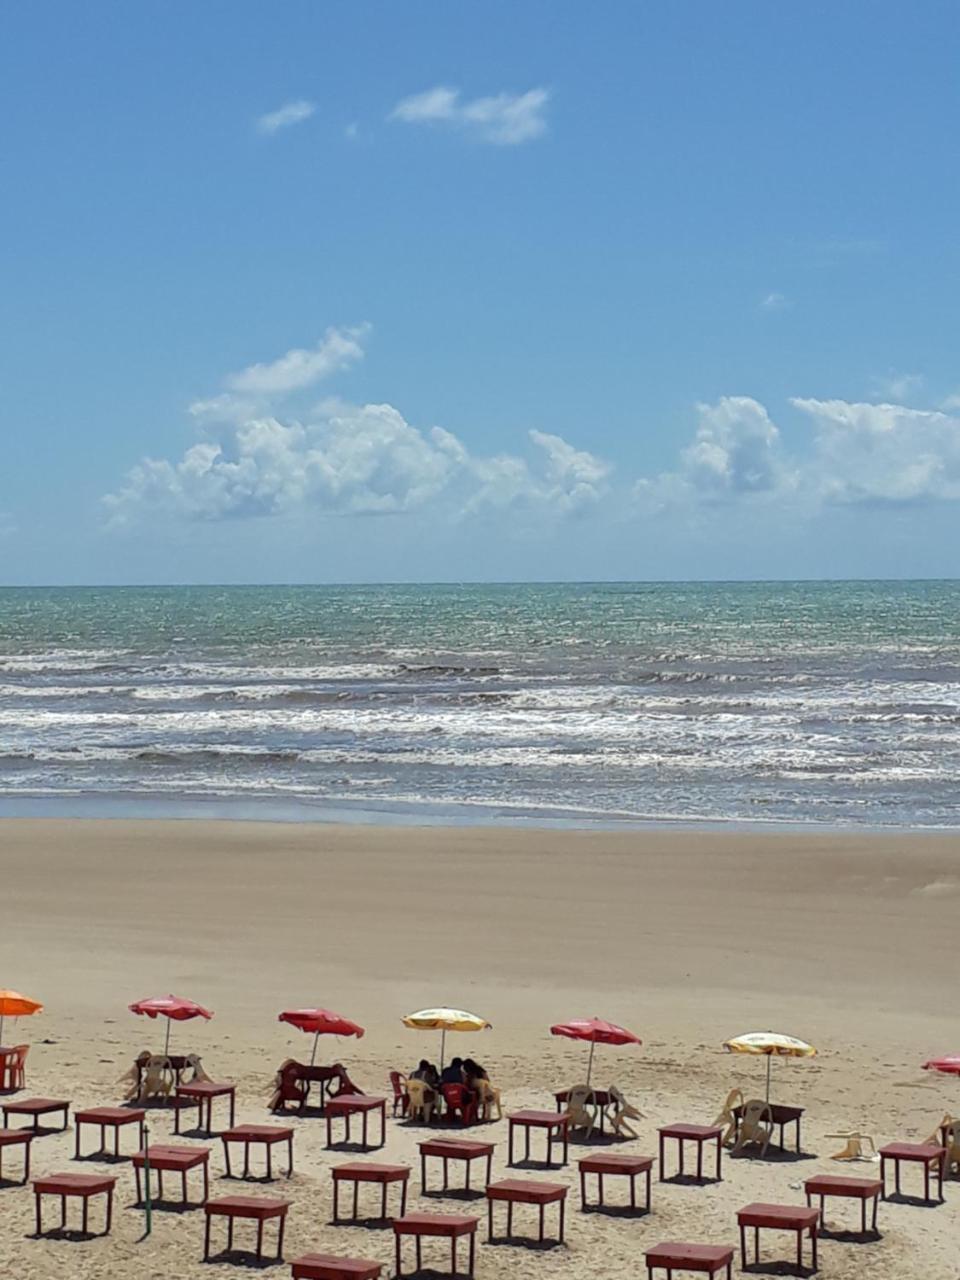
(687, 937)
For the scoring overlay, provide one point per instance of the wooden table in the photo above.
(450, 1226)
(203, 1092)
(781, 1116)
(932, 1158)
(525, 1191)
(37, 1107)
(779, 1217)
(349, 1104)
(108, 1118)
(384, 1174)
(448, 1149)
(698, 1133)
(557, 1130)
(601, 1097)
(267, 1135)
(173, 1160)
(833, 1184)
(623, 1166)
(329, 1266)
(17, 1138)
(258, 1208)
(675, 1256)
(80, 1185)
(179, 1063)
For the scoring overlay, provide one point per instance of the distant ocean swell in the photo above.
(830, 703)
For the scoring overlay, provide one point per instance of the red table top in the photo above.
(837, 1185)
(256, 1133)
(173, 1157)
(354, 1102)
(676, 1253)
(913, 1151)
(109, 1115)
(777, 1215)
(371, 1171)
(548, 1119)
(435, 1224)
(456, 1148)
(248, 1206)
(205, 1089)
(616, 1164)
(526, 1191)
(34, 1106)
(74, 1183)
(8, 1136)
(698, 1131)
(328, 1264)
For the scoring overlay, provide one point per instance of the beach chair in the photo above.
(401, 1099)
(620, 1111)
(949, 1135)
(727, 1119)
(420, 1101)
(198, 1075)
(582, 1109)
(488, 1097)
(288, 1086)
(756, 1127)
(17, 1073)
(458, 1103)
(853, 1148)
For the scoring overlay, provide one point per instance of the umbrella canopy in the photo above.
(173, 1008)
(14, 1005)
(444, 1020)
(321, 1022)
(595, 1031)
(950, 1065)
(771, 1044)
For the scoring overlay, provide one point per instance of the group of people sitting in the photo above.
(463, 1085)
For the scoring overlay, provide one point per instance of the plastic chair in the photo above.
(949, 1135)
(727, 1119)
(457, 1103)
(288, 1086)
(488, 1097)
(756, 1127)
(854, 1146)
(401, 1098)
(582, 1109)
(17, 1066)
(420, 1101)
(620, 1111)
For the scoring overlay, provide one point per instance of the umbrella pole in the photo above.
(590, 1061)
(769, 1059)
(313, 1056)
(443, 1044)
(166, 1045)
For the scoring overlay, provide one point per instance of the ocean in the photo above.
(600, 703)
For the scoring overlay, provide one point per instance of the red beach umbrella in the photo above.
(173, 1008)
(322, 1022)
(950, 1065)
(595, 1031)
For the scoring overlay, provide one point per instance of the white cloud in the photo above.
(775, 301)
(882, 452)
(505, 118)
(897, 386)
(290, 113)
(301, 367)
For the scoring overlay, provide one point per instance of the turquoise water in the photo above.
(835, 703)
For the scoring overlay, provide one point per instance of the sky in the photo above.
(334, 292)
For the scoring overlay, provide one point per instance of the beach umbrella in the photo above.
(595, 1031)
(173, 1008)
(949, 1066)
(14, 1005)
(321, 1022)
(773, 1045)
(444, 1020)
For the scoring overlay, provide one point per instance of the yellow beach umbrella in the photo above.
(444, 1020)
(772, 1044)
(14, 1005)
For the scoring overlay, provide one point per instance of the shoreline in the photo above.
(296, 811)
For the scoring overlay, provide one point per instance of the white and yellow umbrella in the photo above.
(444, 1020)
(771, 1044)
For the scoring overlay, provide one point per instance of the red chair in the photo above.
(18, 1066)
(400, 1098)
(460, 1103)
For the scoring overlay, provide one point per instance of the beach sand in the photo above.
(849, 941)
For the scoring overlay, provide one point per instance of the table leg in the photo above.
(699, 1161)
(116, 1141)
(863, 1216)
(336, 1200)
(446, 1172)
(136, 1172)
(743, 1247)
(470, 1264)
(229, 1233)
(509, 1219)
(649, 1191)
(397, 1267)
(206, 1240)
(526, 1145)
(876, 1201)
(39, 1221)
(423, 1173)
(563, 1212)
(290, 1156)
(419, 1251)
(226, 1157)
(329, 1131)
(364, 1130)
(280, 1234)
(206, 1182)
(356, 1199)
(233, 1107)
(926, 1180)
(489, 1169)
(259, 1239)
(269, 1147)
(680, 1145)
(403, 1198)
(583, 1191)
(719, 1155)
(661, 1158)
(510, 1127)
(489, 1221)
(109, 1210)
(542, 1217)
(813, 1245)
(246, 1160)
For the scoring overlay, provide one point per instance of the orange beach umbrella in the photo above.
(14, 1005)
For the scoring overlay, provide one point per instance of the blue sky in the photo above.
(339, 291)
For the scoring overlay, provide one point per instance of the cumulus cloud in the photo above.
(303, 366)
(290, 113)
(505, 119)
(774, 301)
(897, 386)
